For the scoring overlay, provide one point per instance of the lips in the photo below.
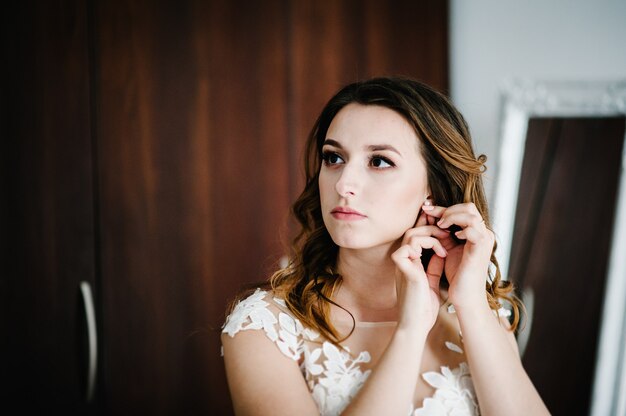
(346, 214)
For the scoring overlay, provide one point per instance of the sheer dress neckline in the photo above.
(334, 375)
(365, 324)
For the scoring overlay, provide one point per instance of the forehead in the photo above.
(359, 125)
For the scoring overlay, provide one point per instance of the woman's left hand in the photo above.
(467, 263)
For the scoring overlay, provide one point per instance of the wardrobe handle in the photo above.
(92, 340)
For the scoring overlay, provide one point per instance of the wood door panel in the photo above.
(193, 162)
(335, 43)
(157, 147)
(407, 38)
(47, 212)
(203, 111)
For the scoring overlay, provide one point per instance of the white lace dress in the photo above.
(334, 376)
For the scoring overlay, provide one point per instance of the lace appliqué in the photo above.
(334, 384)
(455, 393)
(253, 313)
(333, 375)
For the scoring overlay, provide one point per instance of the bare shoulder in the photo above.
(256, 311)
(262, 360)
(262, 380)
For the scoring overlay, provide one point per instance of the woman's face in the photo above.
(371, 165)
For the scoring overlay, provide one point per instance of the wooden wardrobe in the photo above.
(150, 153)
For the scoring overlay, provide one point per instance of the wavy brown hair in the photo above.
(309, 280)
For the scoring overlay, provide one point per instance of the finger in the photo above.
(407, 259)
(475, 236)
(421, 219)
(407, 251)
(421, 242)
(468, 207)
(434, 210)
(434, 272)
(428, 230)
(434, 213)
(463, 219)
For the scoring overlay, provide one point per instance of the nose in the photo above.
(349, 181)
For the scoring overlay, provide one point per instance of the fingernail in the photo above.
(427, 207)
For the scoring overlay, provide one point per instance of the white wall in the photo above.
(491, 40)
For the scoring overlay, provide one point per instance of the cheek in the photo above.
(401, 209)
(412, 201)
(323, 185)
(406, 199)
(406, 217)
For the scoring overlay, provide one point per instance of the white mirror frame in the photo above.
(521, 100)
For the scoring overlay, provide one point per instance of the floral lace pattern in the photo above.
(455, 393)
(341, 377)
(333, 375)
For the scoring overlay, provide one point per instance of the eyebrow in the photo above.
(371, 147)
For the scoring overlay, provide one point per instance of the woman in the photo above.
(390, 303)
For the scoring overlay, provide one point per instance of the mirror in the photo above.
(560, 222)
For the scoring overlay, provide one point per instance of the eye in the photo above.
(381, 162)
(331, 158)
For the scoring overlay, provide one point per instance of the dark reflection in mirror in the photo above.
(560, 218)
(560, 250)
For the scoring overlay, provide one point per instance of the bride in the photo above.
(392, 300)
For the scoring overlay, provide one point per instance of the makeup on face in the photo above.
(371, 164)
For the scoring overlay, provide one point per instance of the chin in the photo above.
(347, 242)
(360, 242)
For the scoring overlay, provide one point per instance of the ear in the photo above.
(429, 199)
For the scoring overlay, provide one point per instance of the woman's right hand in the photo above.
(418, 289)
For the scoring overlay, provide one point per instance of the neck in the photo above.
(368, 288)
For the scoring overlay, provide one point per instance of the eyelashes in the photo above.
(383, 159)
(331, 158)
(327, 156)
